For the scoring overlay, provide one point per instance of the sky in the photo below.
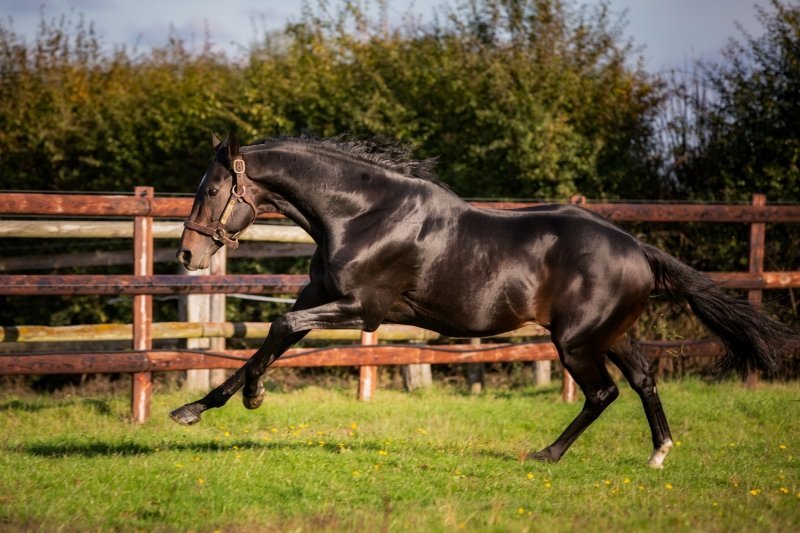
(670, 33)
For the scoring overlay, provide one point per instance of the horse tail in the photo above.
(752, 340)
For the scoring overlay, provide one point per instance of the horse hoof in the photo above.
(254, 401)
(185, 415)
(543, 456)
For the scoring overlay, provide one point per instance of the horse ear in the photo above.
(215, 142)
(233, 146)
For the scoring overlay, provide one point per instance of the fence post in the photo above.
(475, 372)
(217, 314)
(758, 232)
(205, 308)
(416, 376)
(368, 375)
(542, 371)
(196, 308)
(142, 387)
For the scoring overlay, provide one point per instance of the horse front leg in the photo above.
(310, 296)
(288, 329)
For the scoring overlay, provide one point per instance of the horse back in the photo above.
(496, 270)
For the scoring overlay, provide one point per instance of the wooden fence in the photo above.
(142, 360)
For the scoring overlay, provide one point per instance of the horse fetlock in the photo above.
(659, 454)
(544, 456)
(254, 401)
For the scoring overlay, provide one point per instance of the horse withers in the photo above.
(396, 245)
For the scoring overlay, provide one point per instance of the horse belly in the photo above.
(458, 307)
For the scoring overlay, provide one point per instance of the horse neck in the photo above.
(311, 187)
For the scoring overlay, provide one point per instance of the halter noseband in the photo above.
(217, 230)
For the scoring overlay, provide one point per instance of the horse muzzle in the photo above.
(194, 254)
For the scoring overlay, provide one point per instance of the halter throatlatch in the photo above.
(217, 230)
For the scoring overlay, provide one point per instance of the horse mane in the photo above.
(386, 153)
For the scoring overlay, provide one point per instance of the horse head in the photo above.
(223, 207)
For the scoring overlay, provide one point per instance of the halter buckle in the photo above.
(238, 165)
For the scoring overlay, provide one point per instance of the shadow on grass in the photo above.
(35, 406)
(117, 449)
(111, 449)
(542, 392)
(32, 406)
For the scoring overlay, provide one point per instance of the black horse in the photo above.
(396, 245)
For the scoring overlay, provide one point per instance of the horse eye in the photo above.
(213, 192)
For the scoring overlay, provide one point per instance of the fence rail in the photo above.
(143, 207)
(90, 205)
(351, 355)
(73, 285)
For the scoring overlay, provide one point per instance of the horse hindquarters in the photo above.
(597, 303)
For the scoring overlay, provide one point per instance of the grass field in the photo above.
(316, 459)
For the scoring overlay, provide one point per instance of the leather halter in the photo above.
(217, 230)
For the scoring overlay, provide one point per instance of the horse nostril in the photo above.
(185, 256)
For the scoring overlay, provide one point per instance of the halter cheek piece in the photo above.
(217, 230)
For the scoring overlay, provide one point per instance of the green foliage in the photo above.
(77, 118)
(318, 460)
(517, 99)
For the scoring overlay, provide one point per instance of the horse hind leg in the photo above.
(627, 355)
(587, 367)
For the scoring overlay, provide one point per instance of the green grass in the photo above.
(316, 459)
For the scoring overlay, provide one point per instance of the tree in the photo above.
(739, 132)
(530, 98)
(734, 130)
